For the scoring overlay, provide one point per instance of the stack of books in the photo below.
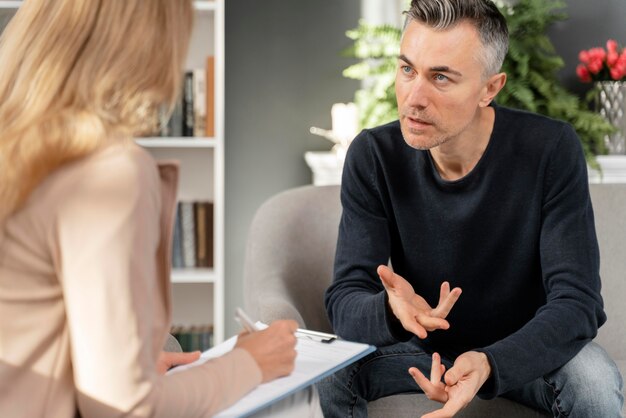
(194, 113)
(193, 235)
(194, 337)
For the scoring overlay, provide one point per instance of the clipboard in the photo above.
(318, 355)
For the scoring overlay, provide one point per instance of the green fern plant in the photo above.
(531, 65)
(377, 47)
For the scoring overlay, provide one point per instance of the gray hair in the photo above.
(482, 14)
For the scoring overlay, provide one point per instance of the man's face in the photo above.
(439, 83)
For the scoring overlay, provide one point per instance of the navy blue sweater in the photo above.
(516, 234)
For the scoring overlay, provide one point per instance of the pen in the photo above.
(245, 321)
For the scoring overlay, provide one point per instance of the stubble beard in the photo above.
(419, 140)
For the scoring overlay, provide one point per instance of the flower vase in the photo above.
(611, 104)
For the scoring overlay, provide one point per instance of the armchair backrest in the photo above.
(289, 256)
(609, 206)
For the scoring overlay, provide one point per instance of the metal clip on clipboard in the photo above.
(321, 337)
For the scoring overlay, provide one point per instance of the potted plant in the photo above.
(606, 68)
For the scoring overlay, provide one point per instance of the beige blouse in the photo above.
(85, 299)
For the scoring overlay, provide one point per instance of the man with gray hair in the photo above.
(462, 195)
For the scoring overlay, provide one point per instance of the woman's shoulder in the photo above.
(122, 171)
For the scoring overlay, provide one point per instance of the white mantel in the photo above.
(613, 169)
(327, 167)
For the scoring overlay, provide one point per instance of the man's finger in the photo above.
(460, 368)
(431, 323)
(443, 309)
(454, 405)
(432, 392)
(443, 292)
(450, 409)
(439, 413)
(435, 369)
(387, 277)
(414, 326)
(420, 379)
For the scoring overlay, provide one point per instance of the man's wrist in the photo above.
(485, 366)
(394, 324)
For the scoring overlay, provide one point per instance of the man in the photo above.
(491, 202)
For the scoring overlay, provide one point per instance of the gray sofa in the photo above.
(289, 260)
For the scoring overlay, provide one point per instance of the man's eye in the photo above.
(441, 77)
(405, 69)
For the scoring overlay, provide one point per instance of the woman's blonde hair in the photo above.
(79, 74)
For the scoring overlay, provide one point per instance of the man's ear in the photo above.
(492, 88)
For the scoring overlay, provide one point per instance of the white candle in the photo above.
(344, 122)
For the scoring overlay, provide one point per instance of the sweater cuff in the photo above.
(491, 387)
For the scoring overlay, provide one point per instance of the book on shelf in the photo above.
(188, 234)
(203, 212)
(194, 112)
(177, 247)
(199, 102)
(210, 97)
(188, 109)
(192, 244)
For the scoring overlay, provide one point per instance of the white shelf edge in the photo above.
(204, 5)
(193, 275)
(10, 4)
(183, 142)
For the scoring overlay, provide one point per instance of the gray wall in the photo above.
(283, 73)
(590, 23)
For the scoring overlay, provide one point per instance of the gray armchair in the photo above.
(289, 262)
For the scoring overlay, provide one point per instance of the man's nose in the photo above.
(418, 95)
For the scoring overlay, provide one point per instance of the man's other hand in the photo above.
(415, 314)
(459, 386)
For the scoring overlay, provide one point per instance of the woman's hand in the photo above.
(274, 348)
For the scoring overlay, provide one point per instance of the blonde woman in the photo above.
(85, 221)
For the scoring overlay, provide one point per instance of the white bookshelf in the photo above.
(198, 293)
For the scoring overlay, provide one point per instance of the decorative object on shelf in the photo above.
(606, 68)
(344, 118)
(327, 166)
(531, 64)
(611, 104)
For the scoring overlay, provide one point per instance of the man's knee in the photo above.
(590, 381)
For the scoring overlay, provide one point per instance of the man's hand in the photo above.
(169, 359)
(411, 309)
(462, 382)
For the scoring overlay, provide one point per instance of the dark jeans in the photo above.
(589, 385)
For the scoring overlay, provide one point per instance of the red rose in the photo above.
(583, 73)
(600, 64)
(611, 45)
